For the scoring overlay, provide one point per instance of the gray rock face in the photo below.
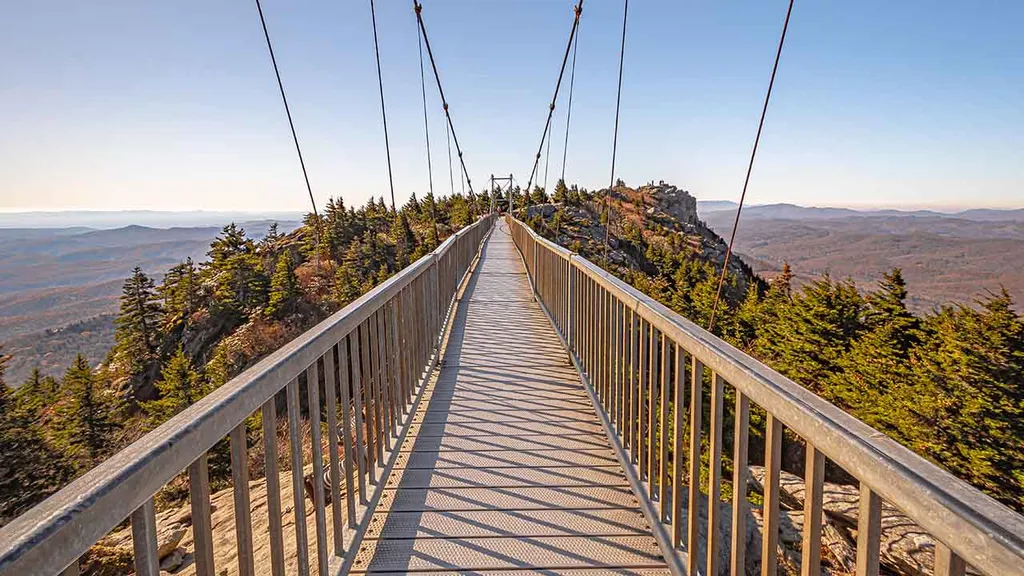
(673, 201)
(906, 548)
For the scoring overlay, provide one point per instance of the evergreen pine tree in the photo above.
(240, 285)
(403, 238)
(138, 323)
(875, 379)
(272, 234)
(30, 469)
(538, 196)
(806, 340)
(87, 419)
(973, 375)
(561, 192)
(180, 291)
(747, 319)
(140, 312)
(428, 209)
(180, 387)
(459, 211)
(284, 287)
(38, 393)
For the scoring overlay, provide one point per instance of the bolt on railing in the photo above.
(364, 366)
(648, 369)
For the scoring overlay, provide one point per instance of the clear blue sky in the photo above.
(173, 105)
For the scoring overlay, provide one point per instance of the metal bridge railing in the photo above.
(369, 359)
(641, 361)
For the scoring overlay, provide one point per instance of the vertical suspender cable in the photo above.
(568, 110)
(551, 108)
(615, 137)
(547, 162)
(451, 174)
(426, 124)
(440, 90)
(383, 111)
(295, 137)
(426, 132)
(750, 167)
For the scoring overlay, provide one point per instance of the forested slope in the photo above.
(948, 384)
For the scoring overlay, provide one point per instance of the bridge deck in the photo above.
(507, 467)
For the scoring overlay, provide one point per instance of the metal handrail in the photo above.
(601, 318)
(406, 314)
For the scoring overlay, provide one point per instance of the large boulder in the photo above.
(906, 548)
(675, 202)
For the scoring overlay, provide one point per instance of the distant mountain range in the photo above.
(945, 257)
(794, 212)
(59, 286)
(151, 218)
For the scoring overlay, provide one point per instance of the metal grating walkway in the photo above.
(506, 469)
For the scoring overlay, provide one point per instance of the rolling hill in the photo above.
(60, 286)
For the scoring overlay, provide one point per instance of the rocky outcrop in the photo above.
(906, 549)
(672, 201)
(658, 216)
(113, 556)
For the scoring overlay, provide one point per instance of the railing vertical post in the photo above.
(634, 383)
(678, 448)
(947, 563)
(147, 560)
(869, 527)
(663, 440)
(535, 274)
(346, 424)
(652, 413)
(570, 298)
(199, 494)
(333, 440)
(243, 513)
(739, 484)
(362, 454)
(692, 528)
(772, 470)
(715, 470)
(366, 371)
(641, 400)
(319, 498)
(814, 470)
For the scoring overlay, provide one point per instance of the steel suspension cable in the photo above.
(426, 124)
(291, 124)
(568, 109)
(426, 132)
(615, 136)
(547, 162)
(383, 111)
(551, 108)
(750, 167)
(451, 176)
(437, 77)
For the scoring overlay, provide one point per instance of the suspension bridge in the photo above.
(505, 406)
